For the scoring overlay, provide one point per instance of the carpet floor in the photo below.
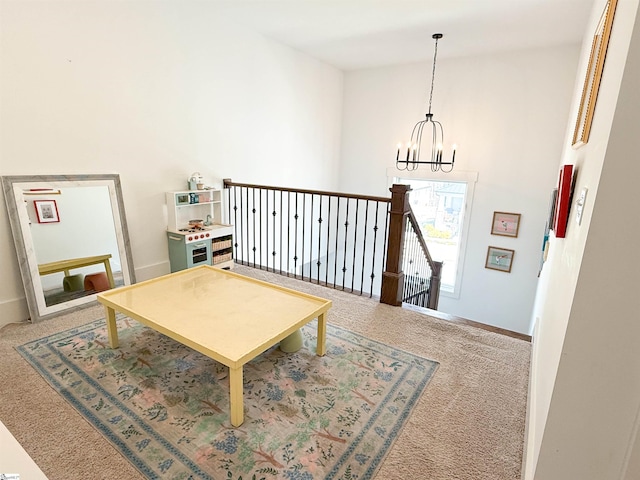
(468, 424)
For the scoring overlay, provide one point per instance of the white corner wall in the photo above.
(155, 91)
(507, 113)
(585, 396)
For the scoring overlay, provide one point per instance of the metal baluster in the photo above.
(419, 268)
(273, 254)
(326, 272)
(420, 283)
(260, 210)
(244, 209)
(304, 212)
(253, 211)
(288, 232)
(319, 235)
(295, 245)
(281, 217)
(244, 242)
(375, 238)
(311, 238)
(355, 243)
(346, 229)
(335, 264)
(424, 283)
(266, 228)
(364, 245)
(247, 228)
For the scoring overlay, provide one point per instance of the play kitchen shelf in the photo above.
(195, 232)
(205, 205)
(221, 248)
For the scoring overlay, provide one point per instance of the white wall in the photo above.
(585, 393)
(154, 92)
(507, 113)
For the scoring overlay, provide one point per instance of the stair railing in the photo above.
(356, 243)
(421, 273)
(331, 238)
(411, 275)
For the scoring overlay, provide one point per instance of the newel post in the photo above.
(393, 277)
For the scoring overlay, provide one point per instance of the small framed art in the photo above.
(46, 211)
(505, 224)
(499, 259)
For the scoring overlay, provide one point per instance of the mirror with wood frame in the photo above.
(71, 239)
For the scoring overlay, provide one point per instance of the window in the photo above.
(441, 206)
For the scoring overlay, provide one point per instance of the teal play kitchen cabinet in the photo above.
(195, 232)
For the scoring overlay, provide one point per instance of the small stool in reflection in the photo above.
(98, 282)
(73, 283)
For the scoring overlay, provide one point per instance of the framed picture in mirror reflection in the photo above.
(46, 211)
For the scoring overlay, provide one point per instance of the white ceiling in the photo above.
(353, 34)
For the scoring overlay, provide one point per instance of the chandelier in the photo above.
(413, 148)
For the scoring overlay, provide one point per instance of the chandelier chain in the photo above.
(433, 73)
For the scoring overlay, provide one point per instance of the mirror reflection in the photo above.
(71, 239)
(74, 241)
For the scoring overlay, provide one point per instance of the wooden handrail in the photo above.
(229, 183)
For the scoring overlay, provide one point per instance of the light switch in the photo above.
(580, 205)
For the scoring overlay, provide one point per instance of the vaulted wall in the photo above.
(155, 91)
(584, 411)
(507, 112)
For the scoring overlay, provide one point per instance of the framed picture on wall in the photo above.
(46, 211)
(505, 224)
(593, 75)
(499, 259)
(563, 202)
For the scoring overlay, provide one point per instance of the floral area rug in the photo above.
(165, 407)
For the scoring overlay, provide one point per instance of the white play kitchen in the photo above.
(195, 232)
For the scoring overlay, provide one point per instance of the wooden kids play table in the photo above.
(226, 316)
(71, 263)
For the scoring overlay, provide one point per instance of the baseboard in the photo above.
(16, 310)
(528, 468)
(152, 271)
(13, 311)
